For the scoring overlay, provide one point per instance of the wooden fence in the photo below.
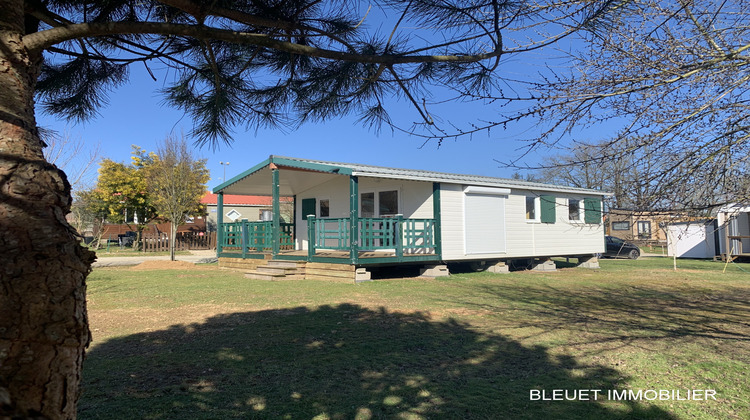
(185, 241)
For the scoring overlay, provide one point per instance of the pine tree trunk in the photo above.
(43, 322)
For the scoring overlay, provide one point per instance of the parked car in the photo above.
(617, 248)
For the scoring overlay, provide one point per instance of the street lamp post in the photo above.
(224, 164)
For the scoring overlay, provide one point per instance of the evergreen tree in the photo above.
(258, 63)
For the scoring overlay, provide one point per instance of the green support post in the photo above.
(354, 219)
(276, 229)
(294, 222)
(245, 237)
(436, 215)
(399, 239)
(310, 235)
(219, 222)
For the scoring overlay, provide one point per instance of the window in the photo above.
(574, 210)
(644, 230)
(233, 215)
(380, 204)
(325, 209)
(531, 208)
(388, 205)
(367, 201)
(620, 225)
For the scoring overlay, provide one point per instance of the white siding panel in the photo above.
(563, 237)
(452, 221)
(523, 239)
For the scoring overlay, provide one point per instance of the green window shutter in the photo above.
(592, 210)
(308, 207)
(547, 205)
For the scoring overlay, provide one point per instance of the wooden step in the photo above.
(285, 264)
(268, 269)
(255, 275)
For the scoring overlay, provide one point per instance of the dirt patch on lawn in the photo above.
(164, 265)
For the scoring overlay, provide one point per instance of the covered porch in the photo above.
(394, 228)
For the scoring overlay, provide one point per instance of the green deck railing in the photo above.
(402, 235)
(419, 234)
(330, 233)
(250, 236)
(378, 233)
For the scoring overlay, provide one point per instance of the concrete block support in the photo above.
(588, 261)
(544, 264)
(361, 274)
(499, 267)
(435, 270)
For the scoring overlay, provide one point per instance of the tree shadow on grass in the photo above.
(338, 362)
(621, 315)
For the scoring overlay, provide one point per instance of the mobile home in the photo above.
(733, 222)
(348, 217)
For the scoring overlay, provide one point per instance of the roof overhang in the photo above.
(298, 176)
(301, 174)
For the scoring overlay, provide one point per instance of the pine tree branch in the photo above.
(40, 40)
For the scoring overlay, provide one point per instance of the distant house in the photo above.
(642, 227)
(349, 217)
(239, 207)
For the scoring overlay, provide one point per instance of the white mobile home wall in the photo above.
(523, 239)
(477, 222)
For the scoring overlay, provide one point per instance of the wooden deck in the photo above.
(338, 257)
(344, 254)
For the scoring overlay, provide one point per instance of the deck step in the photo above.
(278, 270)
(268, 269)
(285, 264)
(254, 275)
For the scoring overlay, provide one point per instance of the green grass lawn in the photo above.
(655, 249)
(208, 343)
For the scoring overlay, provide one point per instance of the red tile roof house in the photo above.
(238, 207)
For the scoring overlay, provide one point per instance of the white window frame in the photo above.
(639, 224)
(581, 210)
(537, 209)
(231, 215)
(376, 200)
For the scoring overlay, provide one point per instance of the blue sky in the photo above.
(135, 116)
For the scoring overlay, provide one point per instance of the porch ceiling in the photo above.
(291, 182)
